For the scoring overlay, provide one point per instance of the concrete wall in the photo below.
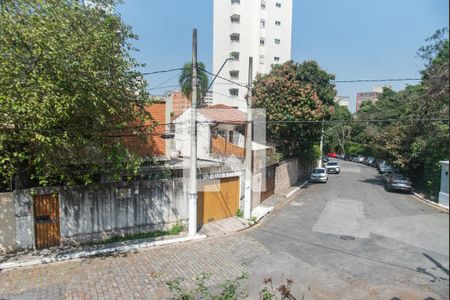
(7, 223)
(91, 213)
(288, 172)
(443, 194)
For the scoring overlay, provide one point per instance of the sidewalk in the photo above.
(213, 229)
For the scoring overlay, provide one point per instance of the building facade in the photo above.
(260, 29)
(370, 96)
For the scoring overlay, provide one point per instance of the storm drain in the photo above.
(347, 238)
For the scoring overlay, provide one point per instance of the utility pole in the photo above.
(321, 146)
(248, 145)
(193, 170)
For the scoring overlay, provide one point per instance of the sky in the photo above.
(352, 39)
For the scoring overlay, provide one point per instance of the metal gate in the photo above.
(46, 218)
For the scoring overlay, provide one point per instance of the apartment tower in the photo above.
(260, 29)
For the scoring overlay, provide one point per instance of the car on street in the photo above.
(379, 163)
(368, 161)
(325, 159)
(397, 181)
(384, 168)
(319, 175)
(333, 167)
(331, 155)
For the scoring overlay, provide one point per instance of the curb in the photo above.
(296, 189)
(429, 202)
(81, 254)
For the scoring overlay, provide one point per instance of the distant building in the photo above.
(260, 29)
(369, 96)
(341, 100)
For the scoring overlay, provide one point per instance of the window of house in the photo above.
(277, 41)
(235, 55)
(234, 92)
(234, 74)
(235, 18)
(234, 37)
(278, 23)
(263, 23)
(276, 58)
(278, 5)
(262, 42)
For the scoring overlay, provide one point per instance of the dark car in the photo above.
(368, 161)
(385, 168)
(325, 159)
(397, 181)
(380, 162)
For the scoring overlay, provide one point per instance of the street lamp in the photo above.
(215, 76)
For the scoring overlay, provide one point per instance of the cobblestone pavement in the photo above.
(137, 275)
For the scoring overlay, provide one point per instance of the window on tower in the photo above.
(277, 41)
(235, 37)
(234, 92)
(235, 18)
(278, 5)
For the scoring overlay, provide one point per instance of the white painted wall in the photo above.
(443, 194)
(250, 32)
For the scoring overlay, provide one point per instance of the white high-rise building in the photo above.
(261, 29)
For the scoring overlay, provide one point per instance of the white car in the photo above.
(319, 175)
(333, 167)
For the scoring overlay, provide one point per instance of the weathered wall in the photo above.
(7, 223)
(286, 174)
(90, 213)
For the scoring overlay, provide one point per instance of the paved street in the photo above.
(347, 239)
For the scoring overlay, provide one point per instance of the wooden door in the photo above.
(220, 204)
(46, 218)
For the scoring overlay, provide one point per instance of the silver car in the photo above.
(319, 175)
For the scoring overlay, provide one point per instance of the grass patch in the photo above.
(174, 230)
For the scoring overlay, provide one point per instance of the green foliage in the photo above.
(239, 213)
(285, 97)
(337, 135)
(310, 73)
(414, 143)
(230, 290)
(68, 85)
(176, 229)
(185, 81)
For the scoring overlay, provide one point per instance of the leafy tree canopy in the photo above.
(309, 72)
(67, 84)
(185, 81)
(286, 98)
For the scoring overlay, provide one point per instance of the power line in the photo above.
(223, 78)
(162, 71)
(376, 80)
(164, 87)
(165, 81)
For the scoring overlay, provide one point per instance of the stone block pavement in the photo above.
(134, 275)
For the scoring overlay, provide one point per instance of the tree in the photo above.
(185, 81)
(286, 100)
(309, 72)
(68, 85)
(339, 134)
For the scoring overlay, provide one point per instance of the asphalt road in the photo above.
(356, 241)
(346, 239)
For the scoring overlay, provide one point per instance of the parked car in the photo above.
(361, 158)
(347, 157)
(355, 159)
(319, 175)
(368, 161)
(374, 163)
(325, 159)
(331, 155)
(385, 168)
(397, 181)
(333, 167)
(379, 163)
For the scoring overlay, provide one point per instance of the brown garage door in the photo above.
(46, 218)
(220, 204)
